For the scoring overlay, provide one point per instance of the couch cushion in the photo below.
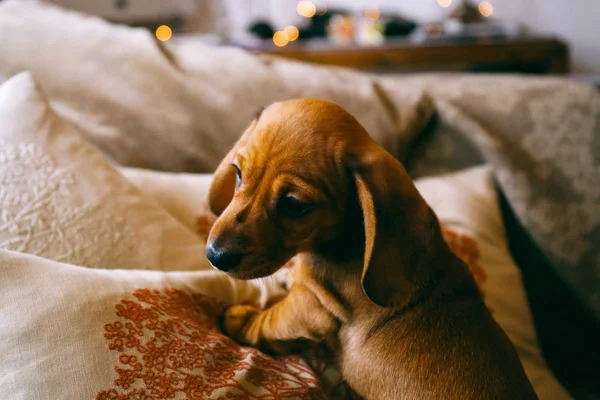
(77, 333)
(183, 195)
(61, 199)
(541, 135)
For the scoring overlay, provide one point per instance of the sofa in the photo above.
(108, 141)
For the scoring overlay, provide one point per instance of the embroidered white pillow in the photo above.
(78, 333)
(61, 199)
(467, 206)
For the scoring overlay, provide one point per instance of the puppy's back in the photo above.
(445, 351)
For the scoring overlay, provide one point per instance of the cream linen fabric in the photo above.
(62, 200)
(182, 195)
(467, 206)
(77, 333)
(178, 106)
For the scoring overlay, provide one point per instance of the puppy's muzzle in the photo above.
(223, 258)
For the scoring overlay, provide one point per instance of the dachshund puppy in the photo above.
(306, 179)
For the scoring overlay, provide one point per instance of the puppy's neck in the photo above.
(347, 243)
(337, 262)
(342, 249)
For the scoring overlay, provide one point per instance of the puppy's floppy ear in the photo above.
(223, 184)
(398, 224)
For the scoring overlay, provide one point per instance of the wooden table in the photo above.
(527, 54)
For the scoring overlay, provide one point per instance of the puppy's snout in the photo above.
(222, 258)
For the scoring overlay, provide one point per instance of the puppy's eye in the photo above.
(293, 208)
(238, 176)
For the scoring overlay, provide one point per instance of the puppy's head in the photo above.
(302, 174)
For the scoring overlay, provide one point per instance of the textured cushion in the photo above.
(61, 199)
(178, 106)
(77, 333)
(182, 195)
(541, 135)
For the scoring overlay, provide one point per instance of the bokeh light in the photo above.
(444, 3)
(306, 9)
(280, 39)
(485, 8)
(291, 32)
(163, 33)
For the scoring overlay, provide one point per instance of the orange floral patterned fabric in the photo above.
(169, 345)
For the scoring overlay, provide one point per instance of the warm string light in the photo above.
(280, 39)
(291, 32)
(485, 8)
(444, 3)
(164, 33)
(306, 9)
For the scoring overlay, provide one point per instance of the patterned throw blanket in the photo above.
(542, 137)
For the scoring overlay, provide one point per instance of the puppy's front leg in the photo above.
(299, 315)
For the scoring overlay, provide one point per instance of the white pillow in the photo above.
(467, 206)
(179, 106)
(182, 195)
(77, 333)
(61, 199)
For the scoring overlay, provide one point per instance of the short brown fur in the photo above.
(374, 268)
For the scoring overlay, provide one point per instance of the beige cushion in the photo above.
(77, 333)
(61, 199)
(180, 106)
(183, 195)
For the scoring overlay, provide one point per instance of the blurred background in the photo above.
(534, 36)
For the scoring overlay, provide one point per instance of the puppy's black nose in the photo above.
(225, 260)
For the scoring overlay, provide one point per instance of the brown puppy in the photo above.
(306, 178)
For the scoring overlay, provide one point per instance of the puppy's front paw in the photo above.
(236, 318)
